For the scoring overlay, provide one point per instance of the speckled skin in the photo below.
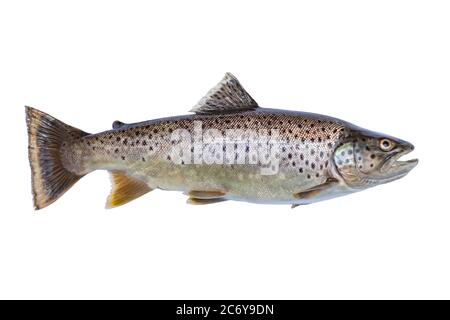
(142, 150)
(229, 149)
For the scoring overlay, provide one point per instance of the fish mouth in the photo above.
(394, 167)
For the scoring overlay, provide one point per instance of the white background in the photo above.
(384, 65)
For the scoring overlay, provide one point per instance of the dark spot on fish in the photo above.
(151, 148)
(118, 139)
(317, 175)
(313, 152)
(321, 154)
(169, 158)
(302, 157)
(123, 157)
(143, 159)
(308, 176)
(300, 170)
(116, 150)
(293, 163)
(155, 131)
(313, 165)
(372, 156)
(125, 141)
(290, 155)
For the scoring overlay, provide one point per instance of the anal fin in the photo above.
(125, 189)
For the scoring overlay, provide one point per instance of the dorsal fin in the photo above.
(117, 124)
(125, 189)
(227, 96)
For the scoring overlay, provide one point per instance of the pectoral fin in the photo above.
(317, 190)
(125, 189)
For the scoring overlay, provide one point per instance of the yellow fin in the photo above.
(206, 194)
(125, 189)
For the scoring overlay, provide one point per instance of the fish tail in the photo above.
(46, 135)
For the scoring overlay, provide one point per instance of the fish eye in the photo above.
(386, 145)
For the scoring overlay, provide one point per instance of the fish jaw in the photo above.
(396, 168)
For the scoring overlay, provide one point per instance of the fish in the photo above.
(228, 148)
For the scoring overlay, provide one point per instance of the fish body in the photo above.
(229, 149)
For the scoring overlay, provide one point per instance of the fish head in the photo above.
(366, 159)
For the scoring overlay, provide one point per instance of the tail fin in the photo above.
(46, 135)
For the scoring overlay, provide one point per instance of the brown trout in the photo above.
(229, 149)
